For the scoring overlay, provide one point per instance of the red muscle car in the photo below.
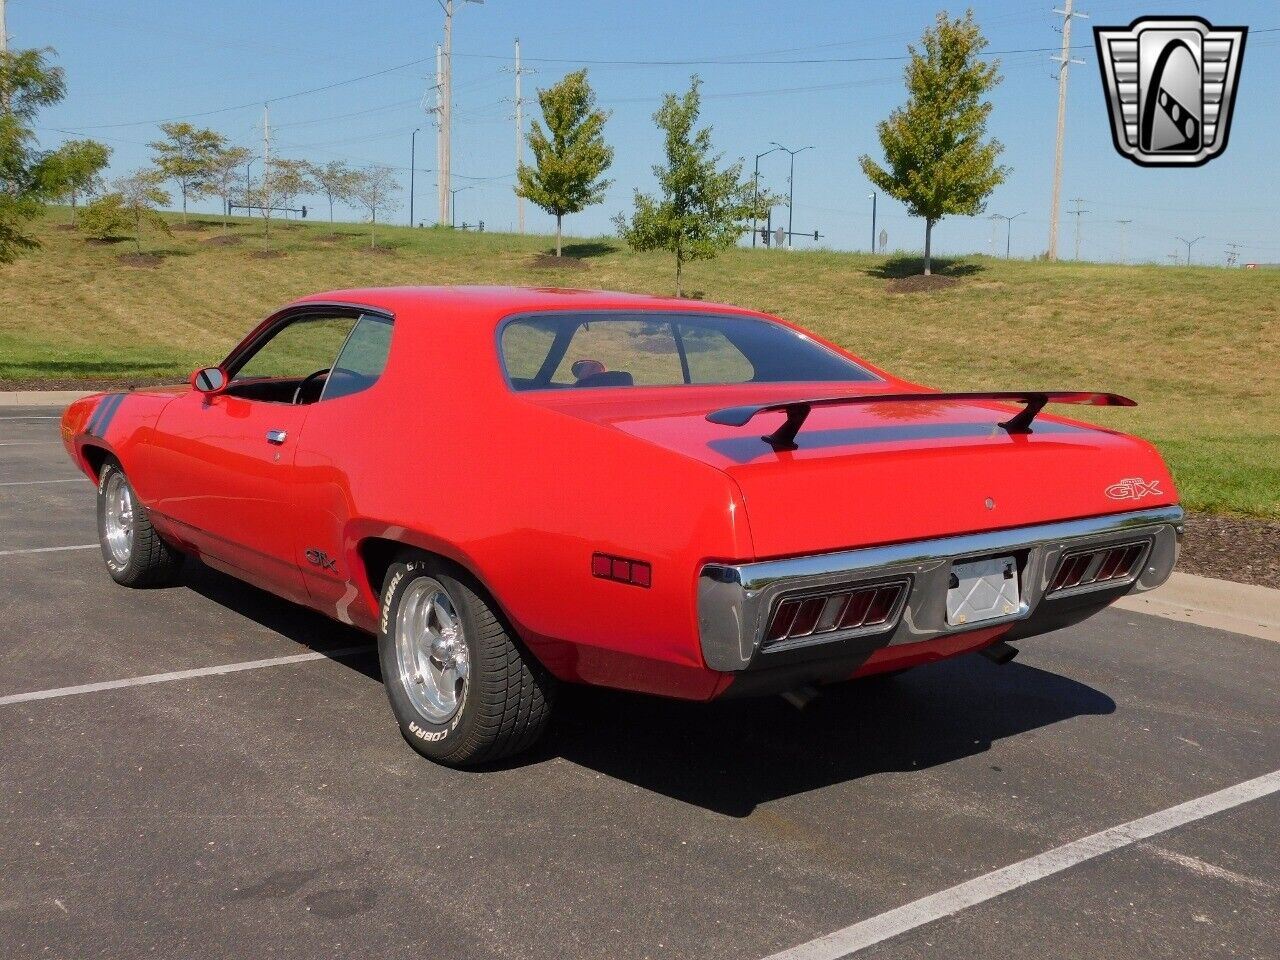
(514, 488)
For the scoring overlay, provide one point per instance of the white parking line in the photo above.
(78, 546)
(32, 483)
(181, 675)
(850, 940)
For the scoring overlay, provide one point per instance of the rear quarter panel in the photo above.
(443, 455)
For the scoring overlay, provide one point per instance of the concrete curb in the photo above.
(42, 398)
(1220, 604)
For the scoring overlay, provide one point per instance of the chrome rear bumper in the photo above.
(735, 601)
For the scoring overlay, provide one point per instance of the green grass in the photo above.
(1199, 348)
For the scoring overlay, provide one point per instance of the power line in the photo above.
(1078, 212)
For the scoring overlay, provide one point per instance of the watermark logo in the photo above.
(1133, 488)
(1171, 86)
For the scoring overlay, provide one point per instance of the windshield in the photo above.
(577, 350)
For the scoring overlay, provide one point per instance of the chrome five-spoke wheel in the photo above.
(118, 521)
(431, 650)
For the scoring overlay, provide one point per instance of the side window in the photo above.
(363, 357)
(305, 346)
(713, 358)
(643, 350)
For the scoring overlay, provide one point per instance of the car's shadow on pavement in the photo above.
(732, 755)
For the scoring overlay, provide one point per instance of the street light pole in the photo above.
(1008, 237)
(413, 149)
(872, 197)
(755, 199)
(1190, 244)
(453, 203)
(791, 189)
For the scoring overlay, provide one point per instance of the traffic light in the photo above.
(304, 211)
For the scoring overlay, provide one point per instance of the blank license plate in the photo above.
(982, 590)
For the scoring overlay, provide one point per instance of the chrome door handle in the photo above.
(277, 437)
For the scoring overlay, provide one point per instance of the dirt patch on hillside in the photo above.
(105, 241)
(141, 259)
(266, 255)
(223, 240)
(548, 261)
(1243, 549)
(921, 283)
(378, 251)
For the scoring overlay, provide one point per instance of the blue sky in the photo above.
(132, 62)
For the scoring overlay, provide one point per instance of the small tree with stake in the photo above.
(188, 155)
(80, 164)
(335, 180)
(702, 210)
(224, 176)
(132, 203)
(938, 162)
(570, 156)
(374, 189)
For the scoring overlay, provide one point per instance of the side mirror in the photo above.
(209, 380)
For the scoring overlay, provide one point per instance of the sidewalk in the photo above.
(1220, 604)
(41, 398)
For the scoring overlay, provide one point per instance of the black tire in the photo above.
(506, 699)
(150, 562)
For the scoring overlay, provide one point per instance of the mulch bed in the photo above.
(223, 240)
(551, 261)
(141, 259)
(921, 283)
(65, 226)
(1244, 549)
(87, 385)
(189, 227)
(266, 255)
(378, 251)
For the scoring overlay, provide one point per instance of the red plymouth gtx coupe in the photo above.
(514, 488)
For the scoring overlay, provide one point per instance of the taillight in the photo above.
(853, 609)
(1085, 568)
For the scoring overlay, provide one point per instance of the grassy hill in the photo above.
(1199, 348)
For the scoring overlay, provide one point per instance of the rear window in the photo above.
(577, 350)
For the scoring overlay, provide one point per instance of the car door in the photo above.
(337, 456)
(225, 463)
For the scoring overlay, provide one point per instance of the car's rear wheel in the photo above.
(463, 689)
(134, 552)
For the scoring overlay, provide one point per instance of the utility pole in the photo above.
(1233, 254)
(442, 193)
(519, 72)
(1124, 240)
(1078, 212)
(1064, 65)
(791, 190)
(1190, 244)
(446, 106)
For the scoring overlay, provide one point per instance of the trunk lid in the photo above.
(886, 473)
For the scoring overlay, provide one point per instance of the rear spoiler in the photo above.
(797, 411)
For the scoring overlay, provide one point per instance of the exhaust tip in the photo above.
(801, 697)
(1000, 652)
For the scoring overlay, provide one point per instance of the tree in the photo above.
(702, 210)
(374, 189)
(80, 164)
(569, 162)
(139, 194)
(187, 156)
(938, 162)
(290, 179)
(106, 217)
(224, 177)
(28, 177)
(334, 180)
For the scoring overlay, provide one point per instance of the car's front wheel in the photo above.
(463, 689)
(134, 552)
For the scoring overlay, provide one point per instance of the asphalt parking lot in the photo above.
(275, 811)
